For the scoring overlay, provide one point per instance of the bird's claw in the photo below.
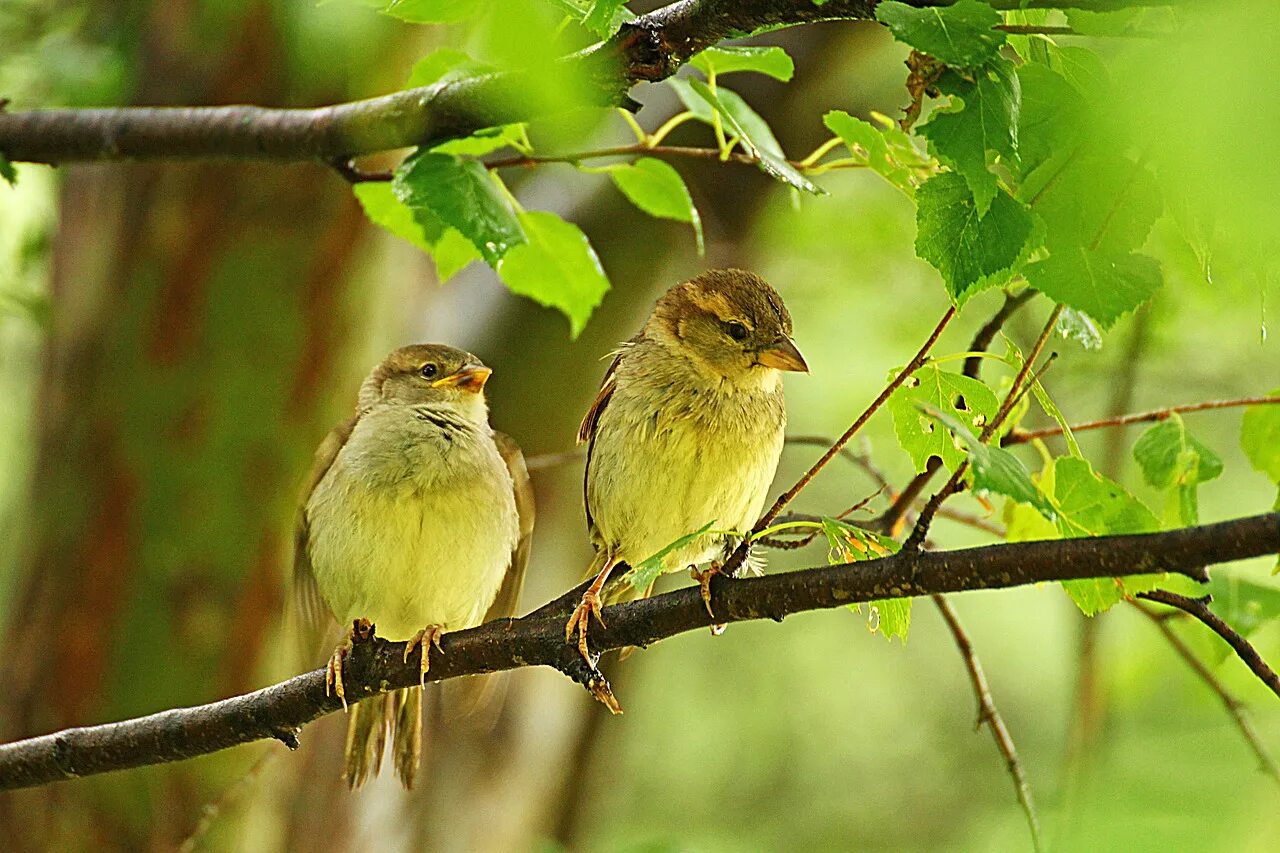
(428, 635)
(703, 577)
(581, 619)
(361, 629)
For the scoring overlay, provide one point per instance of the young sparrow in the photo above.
(416, 520)
(686, 430)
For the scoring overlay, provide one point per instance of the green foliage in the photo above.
(961, 34)
(1175, 461)
(753, 135)
(604, 17)
(934, 389)
(972, 249)
(981, 121)
(431, 11)
(555, 266)
(644, 573)
(462, 194)
(447, 247)
(848, 543)
(7, 172)
(771, 61)
(1260, 438)
(442, 65)
(657, 188)
(887, 151)
(1090, 504)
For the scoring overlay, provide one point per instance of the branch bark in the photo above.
(281, 710)
(650, 48)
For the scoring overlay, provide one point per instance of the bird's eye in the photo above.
(736, 330)
(429, 370)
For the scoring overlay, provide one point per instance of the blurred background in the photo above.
(176, 338)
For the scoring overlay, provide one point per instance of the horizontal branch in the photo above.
(538, 639)
(650, 48)
(1022, 436)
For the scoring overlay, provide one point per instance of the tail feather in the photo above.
(398, 714)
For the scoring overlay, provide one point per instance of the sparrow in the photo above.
(416, 519)
(686, 430)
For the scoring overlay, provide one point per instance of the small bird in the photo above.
(416, 519)
(686, 430)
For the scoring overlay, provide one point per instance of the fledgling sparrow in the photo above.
(416, 519)
(687, 428)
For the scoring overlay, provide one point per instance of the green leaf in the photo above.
(940, 391)
(961, 34)
(848, 543)
(7, 172)
(648, 570)
(1052, 115)
(556, 267)
(1091, 505)
(972, 250)
(891, 617)
(754, 135)
(695, 103)
(657, 188)
(771, 61)
(888, 152)
(1244, 604)
(981, 121)
(452, 253)
(483, 142)
(431, 11)
(1119, 22)
(449, 250)
(1013, 356)
(1260, 438)
(604, 17)
(1173, 460)
(1095, 199)
(442, 65)
(995, 470)
(463, 195)
(1104, 285)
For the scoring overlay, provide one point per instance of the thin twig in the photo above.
(1020, 436)
(1199, 608)
(1237, 709)
(786, 497)
(989, 714)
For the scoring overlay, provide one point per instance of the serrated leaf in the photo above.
(1103, 285)
(961, 34)
(726, 59)
(754, 135)
(431, 11)
(1260, 438)
(982, 121)
(448, 249)
(483, 142)
(1052, 116)
(556, 267)
(848, 543)
(1096, 199)
(1091, 505)
(995, 470)
(888, 152)
(970, 249)
(648, 570)
(941, 391)
(657, 188)
(891, 617)
(463, 195)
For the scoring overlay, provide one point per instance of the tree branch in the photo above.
(1022, 436)
(538, 639)
(650, 48)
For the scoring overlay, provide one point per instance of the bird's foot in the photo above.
(428, 636)
(361, 630)
(703, 578)
(581, 619)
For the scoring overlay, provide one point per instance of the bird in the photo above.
(686, 431)
(415, 520)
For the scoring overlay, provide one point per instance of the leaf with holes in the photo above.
(937, 389)
(556, 267)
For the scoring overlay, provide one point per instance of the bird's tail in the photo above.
(396, 715)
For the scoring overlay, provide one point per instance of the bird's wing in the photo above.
(587, 429)
(508, 598)
(314, 618)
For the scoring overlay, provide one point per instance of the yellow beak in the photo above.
(470, 378)
(783, 355)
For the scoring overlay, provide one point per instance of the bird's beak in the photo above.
(470, 378)
(783, 355)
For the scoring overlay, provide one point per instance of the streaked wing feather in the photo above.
(508, 598)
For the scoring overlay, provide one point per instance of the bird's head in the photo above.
(730, 323)
(432, 374)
